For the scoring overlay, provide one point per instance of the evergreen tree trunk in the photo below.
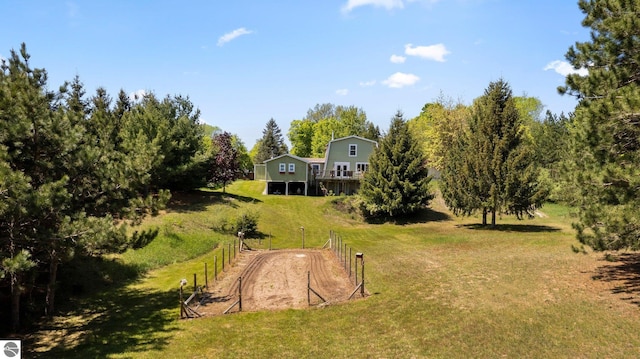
(484, 216)
(493, 217)
(51, 286)
(15, 302)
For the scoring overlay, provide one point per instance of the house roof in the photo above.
(353, 136)
(324, 159)
(326, 154)
(288, 155)
(315, 160)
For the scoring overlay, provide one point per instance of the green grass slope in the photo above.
(441, 287)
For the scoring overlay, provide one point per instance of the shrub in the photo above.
(246, 222)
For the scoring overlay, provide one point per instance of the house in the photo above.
(345, 162)
(287, 174)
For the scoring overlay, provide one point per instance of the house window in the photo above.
(342, 169)
(292, 167)
(353, 150)
(315, 169)
(282, 167)
(362, 167)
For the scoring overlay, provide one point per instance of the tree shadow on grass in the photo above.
(623, 271)
(198, 200)
(422, 216)
(521, 228)
(115, 319)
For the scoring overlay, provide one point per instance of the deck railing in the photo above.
(339, 175)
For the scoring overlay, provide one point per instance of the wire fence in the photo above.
(226, 254)
(351, 260)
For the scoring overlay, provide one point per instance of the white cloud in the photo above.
(232, 35)
(387, 4)
(564, 68)
(400, 79)
(137, 95)
(342, 92)
(368, 83)
(73, 11)
(397, 59)
(432, 52)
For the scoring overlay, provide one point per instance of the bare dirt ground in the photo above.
(274, 280)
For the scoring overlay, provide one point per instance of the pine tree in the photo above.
(172, 127)
(271, 144)
(551, 144)
(491, 168)
(64, 189)
(606, 127)
(457, 178)
(397, 182)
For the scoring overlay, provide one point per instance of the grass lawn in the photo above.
(440, 287)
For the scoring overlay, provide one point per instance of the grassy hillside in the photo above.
(440, 287)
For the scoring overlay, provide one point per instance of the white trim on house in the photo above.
(341, 168)
(353, 146)
(362, 167)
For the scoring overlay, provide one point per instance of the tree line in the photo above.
(78, 174)
(501, 155)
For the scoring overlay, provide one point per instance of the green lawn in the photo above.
(439, 288)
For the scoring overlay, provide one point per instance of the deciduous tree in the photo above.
(310, 136)
(436, 128)
(225, 166)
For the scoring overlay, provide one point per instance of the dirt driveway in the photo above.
(273, 280)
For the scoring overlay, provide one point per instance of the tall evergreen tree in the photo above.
(493, 161)
(123, 104)
(397, 182)
(371, 132)
(551, 145)
(458, 178)
(606, 127)
(271, 144)
(63, 192)
(172, 126)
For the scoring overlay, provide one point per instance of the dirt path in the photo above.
(273, 280)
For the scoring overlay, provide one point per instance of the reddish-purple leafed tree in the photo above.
(226, 164)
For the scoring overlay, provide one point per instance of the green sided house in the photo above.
(287, 174)
(345, 162)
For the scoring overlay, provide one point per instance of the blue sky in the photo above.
(243, 62)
